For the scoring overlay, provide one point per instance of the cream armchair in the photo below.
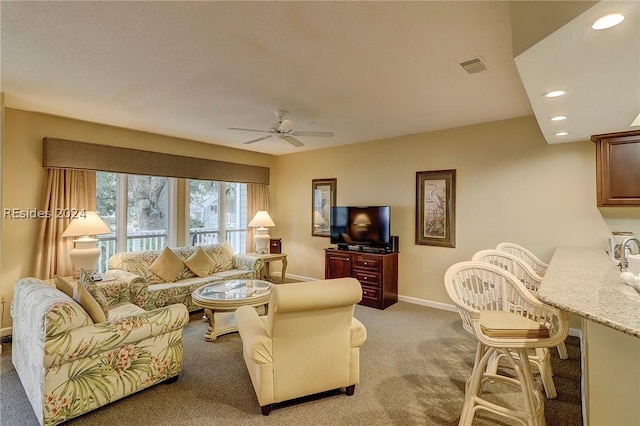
(308, 343)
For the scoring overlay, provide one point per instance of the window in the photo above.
(217, 209)
(137, 209)
(142, 212)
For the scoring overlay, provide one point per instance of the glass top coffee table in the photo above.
(220, 299)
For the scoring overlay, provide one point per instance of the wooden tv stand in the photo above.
(377, 273)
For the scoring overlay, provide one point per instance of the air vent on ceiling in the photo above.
(473, 66)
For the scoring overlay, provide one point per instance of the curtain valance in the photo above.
(66, 154)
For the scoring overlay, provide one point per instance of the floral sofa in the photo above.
(69, 365)
(169, 276)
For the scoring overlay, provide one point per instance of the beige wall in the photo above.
(511, 186)
(23, 176)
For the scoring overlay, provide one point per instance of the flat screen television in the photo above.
(362, 226)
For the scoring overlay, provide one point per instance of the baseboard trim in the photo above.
(428, 303)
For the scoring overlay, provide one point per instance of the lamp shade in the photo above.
(86, 224)
(261, 220)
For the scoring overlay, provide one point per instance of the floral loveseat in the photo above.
(69, 365)
(165, 277)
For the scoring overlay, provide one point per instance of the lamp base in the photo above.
(261, 240)
(85, 255)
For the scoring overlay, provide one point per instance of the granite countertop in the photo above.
(585, 282)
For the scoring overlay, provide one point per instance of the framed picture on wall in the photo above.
(323, 197)
(436, 208)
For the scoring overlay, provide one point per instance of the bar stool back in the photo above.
(506, 320)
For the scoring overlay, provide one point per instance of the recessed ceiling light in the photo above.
(561, 133)
(559, 118)
(608, 21)
(555, 93)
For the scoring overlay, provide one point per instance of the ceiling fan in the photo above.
(283, 129)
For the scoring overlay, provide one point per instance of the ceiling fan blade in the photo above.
(286, 126)
(248, 130)
(257, 140)
(293, 141)
(316, 134)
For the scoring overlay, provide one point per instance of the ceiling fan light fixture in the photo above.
(607, 21)
(283, 129)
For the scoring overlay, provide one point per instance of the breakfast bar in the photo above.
(586, 283)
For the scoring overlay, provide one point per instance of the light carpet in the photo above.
(413, 370)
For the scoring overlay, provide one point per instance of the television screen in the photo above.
(364, 226)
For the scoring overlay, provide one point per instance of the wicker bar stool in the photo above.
(508, 321)
(539, 267)
(531, 259)
(527, 276)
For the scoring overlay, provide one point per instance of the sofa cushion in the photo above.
(222, 255)
(200, 263)
(167, 266)
(86, 300)
(90, 285)
(64, 286)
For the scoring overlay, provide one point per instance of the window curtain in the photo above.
(65, 191)
(257, 199)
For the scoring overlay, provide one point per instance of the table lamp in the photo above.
(261, 238)
(86, 252)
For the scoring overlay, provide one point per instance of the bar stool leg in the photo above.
(562, 351)
(533, 405)
(473, 385)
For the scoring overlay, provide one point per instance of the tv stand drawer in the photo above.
(367, 278)
(370, 293)
(367, 262)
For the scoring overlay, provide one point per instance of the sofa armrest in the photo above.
(249, 263)
(358, 333)
(253, 333)
(135, 289)
(66, 345)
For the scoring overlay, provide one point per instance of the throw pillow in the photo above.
(200, 263)
(167, 266)
(90, 285)
(86, 300)
(64, 286)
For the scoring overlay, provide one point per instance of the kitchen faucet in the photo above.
(624, 261)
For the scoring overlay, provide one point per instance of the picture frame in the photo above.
(323, 197)
(436, 208)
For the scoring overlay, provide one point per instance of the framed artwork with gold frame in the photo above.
(323, 197)
(436, 208)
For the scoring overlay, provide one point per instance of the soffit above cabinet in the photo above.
(600, 70)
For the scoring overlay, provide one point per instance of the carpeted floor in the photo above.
(413, 369)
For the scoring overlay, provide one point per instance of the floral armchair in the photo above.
(70, 365)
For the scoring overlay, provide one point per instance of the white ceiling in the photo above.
(363, 70)
(600, 69)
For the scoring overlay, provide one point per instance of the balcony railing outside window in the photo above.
(157, 240)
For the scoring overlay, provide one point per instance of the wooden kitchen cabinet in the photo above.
(618, 168)
(377, 273)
